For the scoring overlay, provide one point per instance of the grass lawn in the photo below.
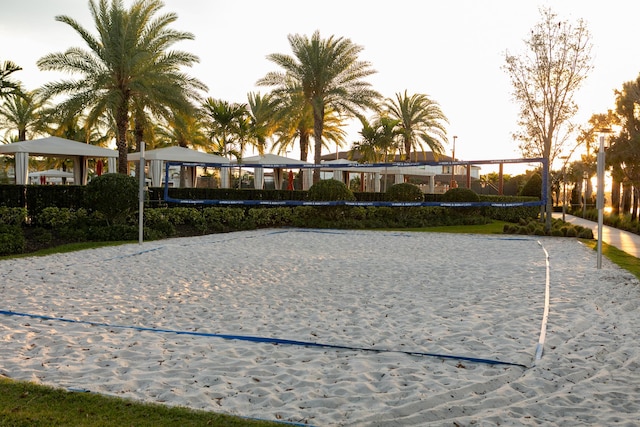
(28, 404)
(618, 257)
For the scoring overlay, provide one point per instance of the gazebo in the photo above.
(156, 159)
(278, 164)
(54, 146)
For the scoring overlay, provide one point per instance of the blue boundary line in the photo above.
(266, 340)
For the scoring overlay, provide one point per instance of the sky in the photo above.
(453, 50)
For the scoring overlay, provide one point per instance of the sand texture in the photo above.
(467, 296)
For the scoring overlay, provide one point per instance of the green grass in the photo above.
(495, 227)
(69, 247)
(618, 257)
(27, 404)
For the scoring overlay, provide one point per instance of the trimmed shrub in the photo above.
(55, 218)
(11, 239)
(533, 187)
(404, 192)
(330, 190)
(114, 195)
(12, 216)
(460, 195)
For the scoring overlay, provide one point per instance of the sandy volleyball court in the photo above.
(466, 297)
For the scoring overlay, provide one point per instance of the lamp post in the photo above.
(600, 195)
(454, 183)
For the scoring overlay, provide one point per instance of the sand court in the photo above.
(471, 296)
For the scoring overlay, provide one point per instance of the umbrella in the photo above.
(290, 184)
(99, 167)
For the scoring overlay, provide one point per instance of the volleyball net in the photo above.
(373, 170)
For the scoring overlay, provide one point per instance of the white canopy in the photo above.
(156, 159)
(48, 174)
(277, 163)
(54, 146)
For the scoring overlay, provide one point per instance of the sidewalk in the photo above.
(623, 240)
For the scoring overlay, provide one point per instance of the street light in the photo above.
(600, 194)
(454, 183)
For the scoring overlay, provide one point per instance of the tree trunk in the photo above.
(122, 123)
(615, 197)
(634, 210)
(139, 137)
(626, 197)
(318, 125)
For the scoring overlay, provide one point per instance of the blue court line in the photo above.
(267, 340)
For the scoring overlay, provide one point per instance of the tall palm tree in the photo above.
(8, 86)
(421, 122)
(128, 67)
(328, 74)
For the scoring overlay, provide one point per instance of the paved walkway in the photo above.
(623, 240)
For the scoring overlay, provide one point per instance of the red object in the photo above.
(290, 184)
(99, 167)
(43, 180)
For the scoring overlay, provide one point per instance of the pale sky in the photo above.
(451, 50)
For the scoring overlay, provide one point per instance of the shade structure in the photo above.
(54, 146)
(271, 161)
(158, 157)
(42, 176)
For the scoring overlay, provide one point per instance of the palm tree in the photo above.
(379, 139)
(9, 86)
(328, 74)
(298, 124)
(21, 113)
(183, 130)
(222, 119)
(264, 118)
(421, 122)
(128, 67)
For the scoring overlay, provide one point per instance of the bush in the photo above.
(330, 190)
(404, 192)
(460, 195)
(533, 187)
(55, 218)
(12, 216)
(11, 239)
(114, 195)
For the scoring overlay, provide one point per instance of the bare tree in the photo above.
(545, 78)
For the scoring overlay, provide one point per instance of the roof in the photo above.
(420, 156)
(178, 154)
(272, 160)
(54, 146)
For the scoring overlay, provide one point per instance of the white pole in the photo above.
(600, 199)
(141, 196)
